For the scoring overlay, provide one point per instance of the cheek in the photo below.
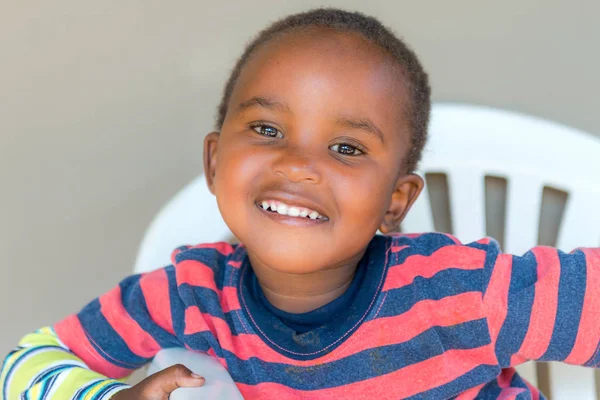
(233, 184)
(237, 168)
(238, 175)
(366, 197)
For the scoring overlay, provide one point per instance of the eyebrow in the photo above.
(362, 124)
(264, 102)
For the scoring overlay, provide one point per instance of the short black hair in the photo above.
(370, 28)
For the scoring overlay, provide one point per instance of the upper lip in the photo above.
(292, 199)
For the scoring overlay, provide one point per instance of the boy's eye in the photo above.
(267, 131)
(346, 149)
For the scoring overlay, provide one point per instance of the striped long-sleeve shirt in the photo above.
(430, 319)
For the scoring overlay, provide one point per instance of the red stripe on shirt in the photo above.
(139, 341)
(71, 333)
(222, 247)
(195, 273)
(229, 299)
(448, 311)
(545, 305)
(510, 393)
(506, 377)
(405, 382)
(155, 287)
(196, 322)
(495, 298)
(588, 337)
(244, 346)
(459, 257)
(517, 359)
(470, 394)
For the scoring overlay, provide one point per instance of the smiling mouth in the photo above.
(280, 208)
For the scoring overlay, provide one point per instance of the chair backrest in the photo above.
(467, 143)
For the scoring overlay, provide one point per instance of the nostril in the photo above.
(298, 175)
(296, 167)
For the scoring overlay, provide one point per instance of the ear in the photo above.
(407, 191)
(211, 142)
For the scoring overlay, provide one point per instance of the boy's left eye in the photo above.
(268, 131)
(346, 149)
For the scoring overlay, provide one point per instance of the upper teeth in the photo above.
(292, 211)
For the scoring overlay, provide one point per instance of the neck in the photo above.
(301, 293)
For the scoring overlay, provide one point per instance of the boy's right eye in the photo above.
(268, 131)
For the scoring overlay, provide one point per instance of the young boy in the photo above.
(321, 124)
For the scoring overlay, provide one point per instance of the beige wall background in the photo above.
(104, 105)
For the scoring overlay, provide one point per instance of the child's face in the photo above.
(316, 122)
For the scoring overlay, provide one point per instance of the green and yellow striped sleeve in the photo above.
(42, 367)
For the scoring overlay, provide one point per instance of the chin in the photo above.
(291, 260)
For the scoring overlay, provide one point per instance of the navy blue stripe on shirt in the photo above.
(595, 360)
(177, 306)
(448, 282)
(134, 302)
(211, 303)
(492, 251)
(105, 340)
(520, 301)
(424, 245)
(571, 292)
(473, 378)
(431, 343)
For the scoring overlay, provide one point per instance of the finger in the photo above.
(174, 377)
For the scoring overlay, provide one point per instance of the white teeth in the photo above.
(292, 211)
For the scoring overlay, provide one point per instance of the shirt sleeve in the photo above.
(122, 330)
(107, 340)
(544, 305)
(42, 367)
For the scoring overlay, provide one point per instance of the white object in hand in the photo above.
(218, 385)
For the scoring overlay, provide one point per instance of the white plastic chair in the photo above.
(467, 143)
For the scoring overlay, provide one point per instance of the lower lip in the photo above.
(288, 220)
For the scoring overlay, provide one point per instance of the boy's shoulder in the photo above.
(210, 252)
(437, 264)
(214, 255)
(429, 242)
(206, 265)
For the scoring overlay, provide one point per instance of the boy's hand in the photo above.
(160, 385)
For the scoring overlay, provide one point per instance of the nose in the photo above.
(296, 166)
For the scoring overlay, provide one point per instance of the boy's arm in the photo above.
(110, 338)
(544, 305)
(41, 367)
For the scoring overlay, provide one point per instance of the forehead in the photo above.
(318, 72)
